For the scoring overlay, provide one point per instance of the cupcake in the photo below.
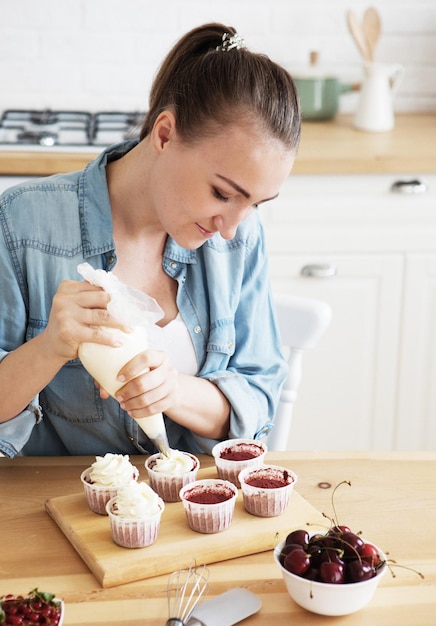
(266, 490)
(209, 504)
(234, 455)
(135, 514)
(168, 474)
(102, 480)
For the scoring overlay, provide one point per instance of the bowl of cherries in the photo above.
(330, 573)
(334, 572)
(37, 607)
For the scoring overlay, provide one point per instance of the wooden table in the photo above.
(392, 500)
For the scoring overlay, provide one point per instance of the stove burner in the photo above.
(42, 138)
(68, 128)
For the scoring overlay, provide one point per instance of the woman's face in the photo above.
(212, 185)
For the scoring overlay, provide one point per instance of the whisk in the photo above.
(185, 589)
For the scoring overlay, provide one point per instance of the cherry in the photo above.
(332, 573)
(325, 541)
(369, 553)
(358, 570)
(352, 544)
(297, 562)
(298, 536)
(333, 556)
(338, 530)
(287, 548)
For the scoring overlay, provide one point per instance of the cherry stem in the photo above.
(343, 482)
(391, 562)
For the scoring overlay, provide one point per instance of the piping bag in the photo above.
(138, 311)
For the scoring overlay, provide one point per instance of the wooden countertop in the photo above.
(391, 500)
(333, 147)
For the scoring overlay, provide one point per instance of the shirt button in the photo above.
(230, 344)
(173, 265)
(111, 259)
(197, 330)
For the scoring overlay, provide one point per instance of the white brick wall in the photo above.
(102, 54)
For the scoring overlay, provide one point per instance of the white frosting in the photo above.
(176, 464)
(137, 500)
(112, 470)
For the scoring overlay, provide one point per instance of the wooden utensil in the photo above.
(372, 30)
(356, 30)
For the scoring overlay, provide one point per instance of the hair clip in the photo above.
(229, 42)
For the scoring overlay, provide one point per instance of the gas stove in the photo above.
(72, 130)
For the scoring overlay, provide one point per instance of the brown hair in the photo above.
(208, 88)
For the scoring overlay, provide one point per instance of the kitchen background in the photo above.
(369, 383)
(102, 54)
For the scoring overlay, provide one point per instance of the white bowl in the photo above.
(326, 598)
(61, 619)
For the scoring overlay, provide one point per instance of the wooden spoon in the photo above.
(372, 30)
(358, 35)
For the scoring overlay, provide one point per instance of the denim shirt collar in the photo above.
(95, 209)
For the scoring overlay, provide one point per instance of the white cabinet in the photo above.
(416, 424)
(371, 254)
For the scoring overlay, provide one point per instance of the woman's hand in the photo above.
(79, 313)
(152, 385)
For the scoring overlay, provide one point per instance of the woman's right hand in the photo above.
(78, 314)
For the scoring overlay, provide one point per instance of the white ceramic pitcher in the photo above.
(375, 110)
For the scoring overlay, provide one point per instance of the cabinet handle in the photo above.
(319, 270)
(413, 185)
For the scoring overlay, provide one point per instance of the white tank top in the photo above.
(175, 339)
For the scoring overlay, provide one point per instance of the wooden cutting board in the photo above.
(177, 546)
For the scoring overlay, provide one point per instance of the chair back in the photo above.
(302, 322)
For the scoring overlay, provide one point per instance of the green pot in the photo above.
(319, 96)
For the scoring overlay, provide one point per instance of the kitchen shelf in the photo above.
(333, 147)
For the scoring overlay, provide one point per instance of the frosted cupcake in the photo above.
(135, 515)
(266, 490)
(234, 455)
(168, 474)
(106, 475)
(209, 504)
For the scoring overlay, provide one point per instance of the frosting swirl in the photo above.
(137, 500)
(113, 470)
(175, 464)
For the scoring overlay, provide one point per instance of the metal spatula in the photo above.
(226, 609)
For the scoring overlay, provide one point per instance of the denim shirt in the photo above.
(49, 226)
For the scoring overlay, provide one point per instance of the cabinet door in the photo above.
(347, 396)
(417, 375)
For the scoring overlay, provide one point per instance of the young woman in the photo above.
(173, 215)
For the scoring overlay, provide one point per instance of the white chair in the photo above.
(302, 322)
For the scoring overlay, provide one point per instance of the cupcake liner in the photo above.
(209, 518)
(264, 501)
(97, 495)
(229, 469)
(129, 532)
(167, 486)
